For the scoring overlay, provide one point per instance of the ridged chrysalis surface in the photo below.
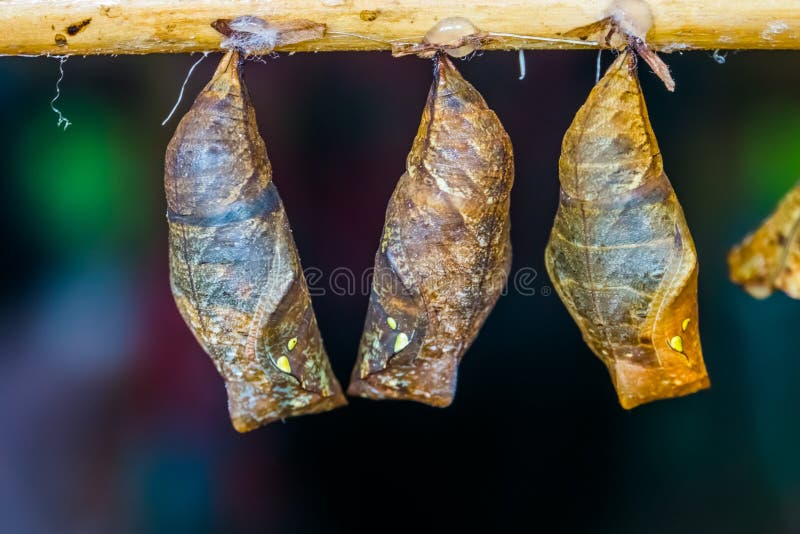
(445, 253)
(769, 258)
(235, 273)
(620, 254)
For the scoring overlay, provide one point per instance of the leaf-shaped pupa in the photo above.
(234, 269)
(445, 252)
(769, 258)
(620, 254)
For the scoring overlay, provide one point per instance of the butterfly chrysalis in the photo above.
(235, 273)
(769, 258)
(620, 254)
(445, 252)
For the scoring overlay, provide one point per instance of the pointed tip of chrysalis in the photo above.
(450, 89)
(228, 76)
(627, 60)
(443, 69)
(624, 63)
(615, 104)
(615, 88)
(445, 72)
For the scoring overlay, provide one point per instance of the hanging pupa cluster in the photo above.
(769, 258)
(620, 254)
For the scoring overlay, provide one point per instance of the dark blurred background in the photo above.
(113, 419)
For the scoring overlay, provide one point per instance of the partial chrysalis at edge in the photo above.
(769, 258)
(234, 269)
(620, 255)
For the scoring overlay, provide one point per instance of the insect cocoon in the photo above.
(620, 253)
(445, 251)
(234, 269)
(769, 258)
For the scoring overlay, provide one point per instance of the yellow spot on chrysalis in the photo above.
(392, 323)
(283, 364)
(685, 324)
(676, 344)
(292, 343)
(401, 342)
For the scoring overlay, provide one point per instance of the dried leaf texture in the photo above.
(620, 254)
(769, 258)
(445, 253)
(235, 273)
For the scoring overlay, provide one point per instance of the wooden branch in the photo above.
(66, 27)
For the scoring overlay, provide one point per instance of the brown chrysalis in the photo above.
(620, 254)
(235, 273)
(445, 253)
(769, 258)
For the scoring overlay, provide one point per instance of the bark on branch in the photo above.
(153, 26)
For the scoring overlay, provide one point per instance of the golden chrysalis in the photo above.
(445, 253)
(620, 254)
(234, 269)
(769, 258)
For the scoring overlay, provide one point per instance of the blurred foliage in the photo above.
(86, 178)
(770, 157)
